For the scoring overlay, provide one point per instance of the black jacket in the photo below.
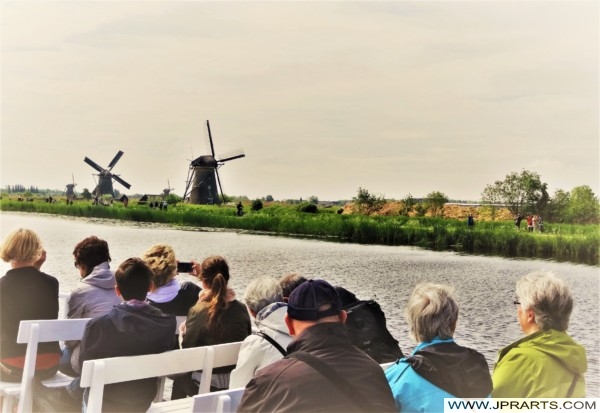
(128, 330)
(290, 385)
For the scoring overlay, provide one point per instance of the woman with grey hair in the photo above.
(547, 362)
(268, 343)
(438, 368)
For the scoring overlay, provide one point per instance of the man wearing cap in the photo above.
(323, 370)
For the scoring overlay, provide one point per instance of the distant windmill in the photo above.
(105, 176)
(203, 175)
(70, 190)
(167, 190)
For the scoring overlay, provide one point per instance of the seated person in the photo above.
(26, 293)
(438, 368)
(289, 282)
(94, 295)
(132, 328)
(217, 318)
(547, 362)
(168, 294)
(269, 341)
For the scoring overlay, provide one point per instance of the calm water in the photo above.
(484, 285)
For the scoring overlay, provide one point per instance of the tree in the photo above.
(257, 205)
(520, 193)
(313, 200)
(583, 206)
(269, 198)
(366, 203)
(557, 209)
(435, 202)
(408, 203)
(86, 194)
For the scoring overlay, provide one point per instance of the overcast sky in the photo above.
(324, 97)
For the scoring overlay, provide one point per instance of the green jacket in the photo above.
(543, 364)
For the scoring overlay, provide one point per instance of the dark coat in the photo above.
(128, 330)
(26, 294)
(290, 385)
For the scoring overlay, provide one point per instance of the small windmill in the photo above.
(203, 175)
(70, 191)
(167, 190)
(105, 176)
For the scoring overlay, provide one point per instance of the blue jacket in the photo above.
(453, 365)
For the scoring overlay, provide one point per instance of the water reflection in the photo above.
(484, 285)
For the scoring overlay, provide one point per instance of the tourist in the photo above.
(94, 295)
(131, 328)
(289, 282)
(216, 318)
(26, 293)
(518, 220)
(534, 221)
(168, 294)
(323, 371)
(367, 326)
(268, 343)
(529, 223)
(547, 362)
(438, 368)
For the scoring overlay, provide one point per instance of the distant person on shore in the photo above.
(289, 282)
(438, 368)
(94, 295)
(323, 371)
(535, 220)
(168, 294)
(131, 328)
(270, 338)
(470, 221)
(529, 223)
(367, 327)
(26, 293)
(518, 220)
(547, 362)
(540, 224)
(240, 209)
(216, 318)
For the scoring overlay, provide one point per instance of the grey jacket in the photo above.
(93, 297)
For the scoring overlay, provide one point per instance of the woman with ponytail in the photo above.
(216, 318)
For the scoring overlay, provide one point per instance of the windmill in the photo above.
(70, 191)
(167, 190)
(105, 176)
(203, 175)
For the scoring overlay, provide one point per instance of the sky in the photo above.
(324, 98)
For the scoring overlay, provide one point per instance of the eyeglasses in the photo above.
(516, 303)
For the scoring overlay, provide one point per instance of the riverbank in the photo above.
(559, 242)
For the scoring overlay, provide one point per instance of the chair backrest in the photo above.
(33, 332)
(224, 401)
(226, 354)
(97, 373)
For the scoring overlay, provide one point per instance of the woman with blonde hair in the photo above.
(26, 293)
(216, 318)
(169, 295)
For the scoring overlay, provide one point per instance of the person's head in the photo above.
(90, 252)
(134, 279)
(431, 312)
(289, 282)
(21, 246)
(261, 292)
(313, 302)
(543, 301)
(161, 260)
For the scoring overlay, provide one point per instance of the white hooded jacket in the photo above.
(256, 352)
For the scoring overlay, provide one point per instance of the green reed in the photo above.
(561, 242)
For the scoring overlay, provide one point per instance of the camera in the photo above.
(184, 267)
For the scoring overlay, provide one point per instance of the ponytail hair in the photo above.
(215, 274)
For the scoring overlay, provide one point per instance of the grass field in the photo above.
(560, 242)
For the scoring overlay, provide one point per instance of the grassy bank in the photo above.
(573, 243)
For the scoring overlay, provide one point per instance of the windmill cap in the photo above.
(313, 300)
